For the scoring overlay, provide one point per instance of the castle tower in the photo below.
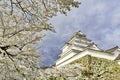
(77, 43)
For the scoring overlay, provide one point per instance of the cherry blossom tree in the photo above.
(21, 26)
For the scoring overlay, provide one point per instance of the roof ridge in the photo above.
(112, 49)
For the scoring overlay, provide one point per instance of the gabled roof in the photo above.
(118, 57)
(112, 49)
(79, 33)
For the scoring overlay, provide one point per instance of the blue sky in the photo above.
(98, 19)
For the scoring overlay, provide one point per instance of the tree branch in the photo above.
(11, 7)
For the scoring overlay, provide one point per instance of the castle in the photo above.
(79, 46)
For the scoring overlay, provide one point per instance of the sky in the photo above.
(98, 19)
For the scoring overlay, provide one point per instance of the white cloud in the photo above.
(116, 17)
(98, 19)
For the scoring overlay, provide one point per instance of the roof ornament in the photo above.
(80, 33)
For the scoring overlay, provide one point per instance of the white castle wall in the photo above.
(87, 52)
(65, 58)
(65, 49)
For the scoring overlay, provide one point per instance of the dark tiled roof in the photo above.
(90, 45)
(112, 49)
(118, 57)
(68, 43)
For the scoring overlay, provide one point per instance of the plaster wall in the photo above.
(65, 58)
(87, 52)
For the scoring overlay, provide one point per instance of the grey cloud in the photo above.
(98, 19)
